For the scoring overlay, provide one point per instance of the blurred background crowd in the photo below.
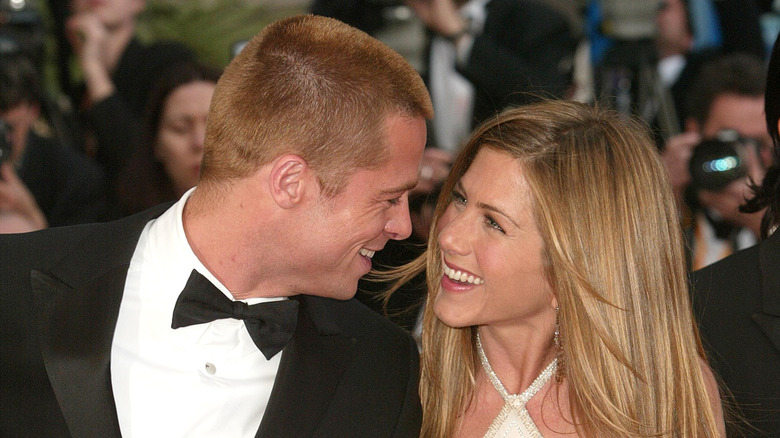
(104, 101)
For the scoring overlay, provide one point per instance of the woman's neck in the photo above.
(518, 355)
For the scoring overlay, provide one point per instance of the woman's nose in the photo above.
(453, 234)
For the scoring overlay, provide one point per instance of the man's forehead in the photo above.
(391, 179)
(744, 114)
(405, 144)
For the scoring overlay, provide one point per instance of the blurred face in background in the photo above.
(112, 13)
(179, 145)
(744, 114)
(673, 30)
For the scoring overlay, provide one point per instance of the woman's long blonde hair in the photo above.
(614, 258)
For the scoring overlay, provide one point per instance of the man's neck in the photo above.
(225, 237)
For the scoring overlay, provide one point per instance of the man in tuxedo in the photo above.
(169, 323)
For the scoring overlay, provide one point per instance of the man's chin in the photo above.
(344, 291)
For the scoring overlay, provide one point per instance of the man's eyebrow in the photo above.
(404, 188)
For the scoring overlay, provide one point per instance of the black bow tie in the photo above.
(270, 324)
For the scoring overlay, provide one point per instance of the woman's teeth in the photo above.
(367, 253)
(462, 277)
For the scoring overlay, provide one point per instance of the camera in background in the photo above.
(718, 161)
(22, 30)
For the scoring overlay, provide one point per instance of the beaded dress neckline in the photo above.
(514, 421)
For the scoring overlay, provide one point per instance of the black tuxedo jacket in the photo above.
(347, 372)
(737, 303)
(67, 186)
(526, 47)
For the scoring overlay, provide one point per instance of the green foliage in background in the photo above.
(210, 29)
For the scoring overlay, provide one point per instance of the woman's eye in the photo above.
(493, 224)
(458, 198)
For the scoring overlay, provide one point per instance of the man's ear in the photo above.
(289, 179)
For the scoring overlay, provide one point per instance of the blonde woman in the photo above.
(558, 301)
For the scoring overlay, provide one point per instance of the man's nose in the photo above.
(399, 226)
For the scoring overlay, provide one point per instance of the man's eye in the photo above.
(398, 199)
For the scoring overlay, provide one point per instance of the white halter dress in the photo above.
(514, 421)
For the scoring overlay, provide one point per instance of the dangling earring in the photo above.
(560, 371)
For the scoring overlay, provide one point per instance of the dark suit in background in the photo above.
(737, 303)
(68, 187)
(525, 51)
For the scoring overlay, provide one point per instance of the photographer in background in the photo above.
(23, 33)
(726, 95)
(721, 169)
(42, 181)
(366, 15)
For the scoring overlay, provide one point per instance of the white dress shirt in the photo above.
(669, 69)
(205, 380)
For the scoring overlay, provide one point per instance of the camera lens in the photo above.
(715, 163)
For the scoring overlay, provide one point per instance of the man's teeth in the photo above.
(367, 253)
(462, 277)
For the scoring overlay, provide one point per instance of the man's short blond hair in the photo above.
(311, 86)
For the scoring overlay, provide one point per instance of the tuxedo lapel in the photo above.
(311, 368)
(78, 304)
(76, 330)
(769, 318)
